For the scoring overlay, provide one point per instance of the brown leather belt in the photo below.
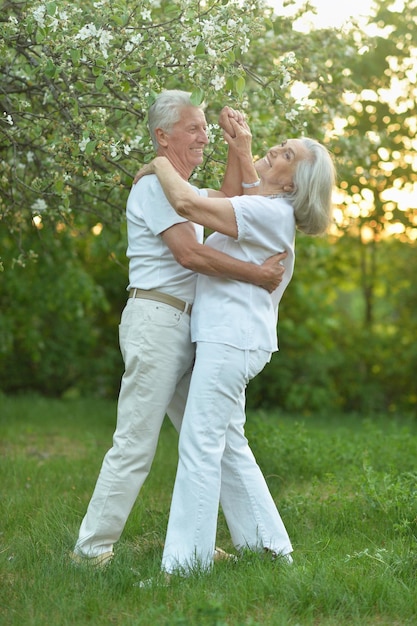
(158, 296)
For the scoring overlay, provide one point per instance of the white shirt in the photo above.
(236, 313)
(152, 264)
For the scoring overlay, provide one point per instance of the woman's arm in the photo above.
(214, 213)
(232, 180)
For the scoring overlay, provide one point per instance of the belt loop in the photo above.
(133, 295)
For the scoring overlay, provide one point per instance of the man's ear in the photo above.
(161, 137)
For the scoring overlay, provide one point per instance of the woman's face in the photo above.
(279, 164)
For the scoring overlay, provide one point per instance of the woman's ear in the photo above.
(288, 188)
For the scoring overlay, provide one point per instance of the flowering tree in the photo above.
(77, 80)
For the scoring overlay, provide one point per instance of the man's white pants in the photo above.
(214, 452)
(158, 356)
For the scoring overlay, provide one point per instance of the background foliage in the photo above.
(77, 80)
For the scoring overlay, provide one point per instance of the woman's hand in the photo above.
(226, 115)
(240, 139)
(145, 170)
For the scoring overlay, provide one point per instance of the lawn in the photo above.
(346, 488)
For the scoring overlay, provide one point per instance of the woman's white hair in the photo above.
(314, 180)
(166, 111)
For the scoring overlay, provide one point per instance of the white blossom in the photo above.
(218, 82)
(245, 45)
(165, 42)
(89, 30)
(39, 15)
(136, 141)
(104, 39)
(63, 16)
(114, 150)
(291, 115)
(291, 59)
(83, 143)
(9, 119)
(211, 132)
(29, 156)
(54, 23)
(286, 79)
(39, 205)
(208, 27)
(146, 15)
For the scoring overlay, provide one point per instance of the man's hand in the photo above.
(274, 271)
(226, 115)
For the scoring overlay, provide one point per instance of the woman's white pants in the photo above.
(214, 451)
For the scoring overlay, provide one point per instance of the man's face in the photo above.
(184, 144)
(280, 162)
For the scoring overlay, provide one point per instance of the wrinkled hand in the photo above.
(274, 271)
(145, 170)
(226, 115)
(241, 138)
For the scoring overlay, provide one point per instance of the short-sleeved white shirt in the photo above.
(237, 313)
(151, 263)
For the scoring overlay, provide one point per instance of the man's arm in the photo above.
(182, 242)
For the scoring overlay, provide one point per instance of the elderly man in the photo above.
(165, 254)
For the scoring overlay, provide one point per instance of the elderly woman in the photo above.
(234, 325)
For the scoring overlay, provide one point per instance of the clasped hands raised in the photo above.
(236, 131)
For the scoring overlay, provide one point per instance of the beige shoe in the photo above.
(97, 562)
(221, 555)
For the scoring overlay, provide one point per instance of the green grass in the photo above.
(346, 489)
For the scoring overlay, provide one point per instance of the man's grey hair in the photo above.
(166, 111)
(314, 180)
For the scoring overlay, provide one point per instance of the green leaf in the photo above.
(51, 8)
(50, 69)
(90, 147)
(197, 96)
(240, 85)
(230, 57)
(100, 82)
(75, 56)
(200, 49)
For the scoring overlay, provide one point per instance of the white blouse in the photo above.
(237, 313)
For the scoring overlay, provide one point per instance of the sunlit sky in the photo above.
(334, 13)
(329, 12)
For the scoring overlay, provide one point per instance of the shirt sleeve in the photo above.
(148, 202)
(154, 207)
(264, 222)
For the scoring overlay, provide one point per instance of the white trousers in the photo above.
(214, 453)
(158, 356)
